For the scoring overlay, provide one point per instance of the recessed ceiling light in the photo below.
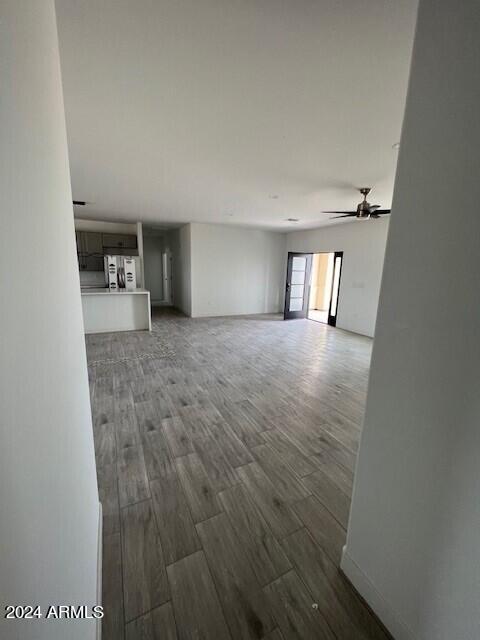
(396, 146)
(293, 220)
(274, 196)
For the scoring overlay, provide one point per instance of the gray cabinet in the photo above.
(89, 242)
(94, 263)
(89, 250)
(93, 243)
(113, 241)
(92, 246)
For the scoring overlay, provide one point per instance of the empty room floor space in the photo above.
(225, 452)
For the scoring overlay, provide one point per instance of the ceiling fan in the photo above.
(364, 211)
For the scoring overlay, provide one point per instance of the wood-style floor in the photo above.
(225, 453)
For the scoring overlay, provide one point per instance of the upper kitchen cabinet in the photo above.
(89, 250)
(112, 241)
(93, 242)
(92, 246)
(89, 242)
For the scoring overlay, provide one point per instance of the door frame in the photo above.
(295, 315)
(332, 318)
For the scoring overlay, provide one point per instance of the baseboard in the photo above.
(235, 315)
(99, 566)
(375, 599)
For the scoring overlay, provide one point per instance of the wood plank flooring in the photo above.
(225, 452)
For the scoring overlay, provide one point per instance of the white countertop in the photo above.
(104, 291)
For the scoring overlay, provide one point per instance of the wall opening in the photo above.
(321, 287)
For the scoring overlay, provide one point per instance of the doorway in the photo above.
(157, 265)
(313, 286)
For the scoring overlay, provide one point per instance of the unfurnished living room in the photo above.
(239, 320)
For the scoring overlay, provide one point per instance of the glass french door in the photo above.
(297, 290)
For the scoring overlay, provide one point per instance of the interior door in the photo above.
(337, 274)
(297, 290)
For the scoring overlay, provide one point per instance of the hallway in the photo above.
(225, 452)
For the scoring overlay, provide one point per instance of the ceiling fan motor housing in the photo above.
(363, 210)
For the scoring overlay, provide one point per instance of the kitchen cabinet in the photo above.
(92, 246)
(93, 263)
(89, 250)
(93, 242)
(113, 241)
(89, 242)
(120, 251)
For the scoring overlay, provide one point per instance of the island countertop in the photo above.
(101, 291)
(107, 311)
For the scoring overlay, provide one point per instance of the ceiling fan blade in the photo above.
(379, 212)
(345, 215)
(374, 207)
(353, 213)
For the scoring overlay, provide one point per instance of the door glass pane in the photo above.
(296, 304)
(296, 291)
(336, 282)
(298, 277)
(299, 264)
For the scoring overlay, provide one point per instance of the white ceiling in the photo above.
(202, 110)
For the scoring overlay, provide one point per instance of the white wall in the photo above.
(236, 270)
(152, 260)
(48, 490)
(363, 244)
(413, 539)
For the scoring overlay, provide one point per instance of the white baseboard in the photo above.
(375, 599)
(99, 566)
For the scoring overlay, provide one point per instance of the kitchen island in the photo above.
(106, 311)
